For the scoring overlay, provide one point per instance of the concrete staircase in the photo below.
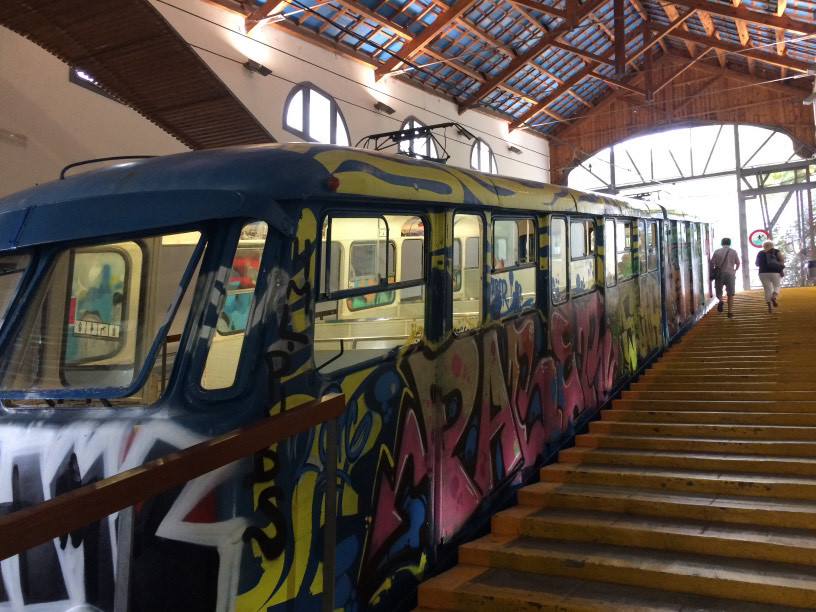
(695, 491)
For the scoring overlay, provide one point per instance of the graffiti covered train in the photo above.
(472, 321)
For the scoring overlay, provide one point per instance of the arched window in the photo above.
(482, 158)
(417, 146)
(314, 116)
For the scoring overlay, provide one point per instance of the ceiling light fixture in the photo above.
(383, 107)
(16, 138)
(254, 66)
(513, 149)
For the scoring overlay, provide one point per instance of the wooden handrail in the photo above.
(60, 515)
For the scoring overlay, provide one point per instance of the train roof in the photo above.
(239, 181)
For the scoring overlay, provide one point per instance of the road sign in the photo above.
(757, 237)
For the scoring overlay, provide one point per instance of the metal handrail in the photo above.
(52, 518)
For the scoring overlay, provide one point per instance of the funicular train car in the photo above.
(472, 321)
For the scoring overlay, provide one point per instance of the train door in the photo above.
(673, 276)
(689, 285)
(580, 339)
(697, 256)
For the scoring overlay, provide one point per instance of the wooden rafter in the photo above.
(740, 12)
(672, 13)
(425, 37)
(645, 17)
(711, 30)
(749, 52)
(747, 79)
(523, 58)
(263, 12)
(589, 69)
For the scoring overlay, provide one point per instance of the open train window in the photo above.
(230, 329)
(582, 255)
(513, 278)
(374, 300)
(467, 272)
(101, 313)
(558, 260)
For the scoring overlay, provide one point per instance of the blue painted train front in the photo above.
(472, 321)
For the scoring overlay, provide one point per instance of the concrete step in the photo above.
(788, 448)
(721, 508)
(761, 582)
(804, 419)
(701, 430)
(691, 394)
(742, 387)
(479, 589)
(731, 462)
(677, 479)
(766, 543)
(708, 369)
(715, 405)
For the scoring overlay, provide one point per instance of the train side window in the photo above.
(96, 317)
(230, 330)
(623, 244)
(558, 259)
(582, 256)
(609, 249)
(467, 273)
(651, 245)
(369, 262)
(641, 247)
(513, 279)
(375, 300)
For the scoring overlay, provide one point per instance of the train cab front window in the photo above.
(227, 342)
(12, 268)
(95, 320)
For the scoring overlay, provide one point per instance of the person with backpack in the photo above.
(723, 271)
(770, 262)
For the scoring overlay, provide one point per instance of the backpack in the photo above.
(772, 263)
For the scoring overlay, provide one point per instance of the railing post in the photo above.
(330, 510)
(124, 556)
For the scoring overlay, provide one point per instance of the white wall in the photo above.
(218, 37)
(59, 122)
(63, 123)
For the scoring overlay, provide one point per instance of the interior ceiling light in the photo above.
(254, 66)
(382, 106)
(513, 149)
